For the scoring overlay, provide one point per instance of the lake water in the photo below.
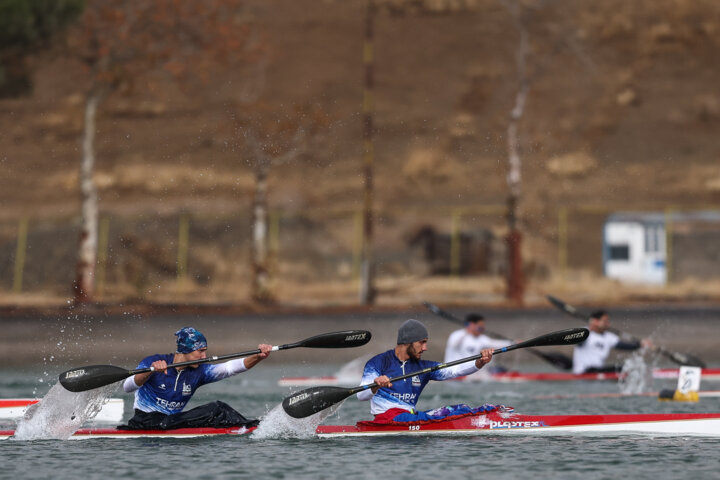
(256, 393)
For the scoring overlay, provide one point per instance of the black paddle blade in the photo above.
(685, 359)
(92, 376)
(432, 307)
(344, 339)
(570, 336)
(569, 309)
(442, 313)
(313, 400)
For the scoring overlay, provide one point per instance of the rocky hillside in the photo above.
(622, 112)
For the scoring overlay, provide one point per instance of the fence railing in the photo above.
(40, 253)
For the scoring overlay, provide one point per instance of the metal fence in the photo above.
(142, 252)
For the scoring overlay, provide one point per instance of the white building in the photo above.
(636, 249)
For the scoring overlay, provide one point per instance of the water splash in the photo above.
(60, 413)
(352, 371)
(636, 375)
(278, 424)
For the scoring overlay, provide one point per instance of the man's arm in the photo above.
(371, 375)
(464, 369)
(239, 365)
(634, 345)
(139, 379)
(253, 360)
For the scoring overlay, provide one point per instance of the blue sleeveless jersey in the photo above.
(169, 393)
(403, 393)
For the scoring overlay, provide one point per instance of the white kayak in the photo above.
(14, 408)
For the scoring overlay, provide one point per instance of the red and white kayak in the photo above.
(493, 423)
(709, 374)
(674, 424)
(86, 433)
(13, 408)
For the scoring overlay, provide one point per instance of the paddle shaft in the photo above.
(348, 338)
(556, 359)
(313, 400)
(432, 369)
(439, 366)
(214, 358)
(95, 376)
(569, 309)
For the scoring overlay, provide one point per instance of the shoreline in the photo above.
(70, 337)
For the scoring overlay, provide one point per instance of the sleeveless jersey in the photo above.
(593, 352)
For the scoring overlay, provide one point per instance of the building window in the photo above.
(620, 252)
(653, 239)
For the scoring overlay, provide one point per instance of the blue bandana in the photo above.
(189, 340)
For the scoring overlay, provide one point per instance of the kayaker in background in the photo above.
(161, 395)
(395, 402)
(471, 340)
(590, 356)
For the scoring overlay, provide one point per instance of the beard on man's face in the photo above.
(412, 353)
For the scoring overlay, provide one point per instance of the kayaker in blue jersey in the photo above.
(161, 395)
(396, 401)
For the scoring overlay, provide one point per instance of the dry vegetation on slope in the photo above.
(622, 113)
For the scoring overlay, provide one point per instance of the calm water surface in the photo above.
(255, 393)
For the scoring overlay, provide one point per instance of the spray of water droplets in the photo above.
(61, 413)
(278, 424)
(636, 375)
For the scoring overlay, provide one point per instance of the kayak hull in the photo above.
(499, 424)
(493, 423)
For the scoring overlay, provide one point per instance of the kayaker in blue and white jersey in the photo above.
(590, 356)
(396, 401)
(161, 395)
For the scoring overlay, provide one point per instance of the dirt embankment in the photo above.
(622, 114)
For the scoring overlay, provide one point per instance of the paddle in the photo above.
(558, 360)
(677, 357)
(95, 376)
(313, 400)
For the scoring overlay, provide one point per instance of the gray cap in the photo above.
(411, 331)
